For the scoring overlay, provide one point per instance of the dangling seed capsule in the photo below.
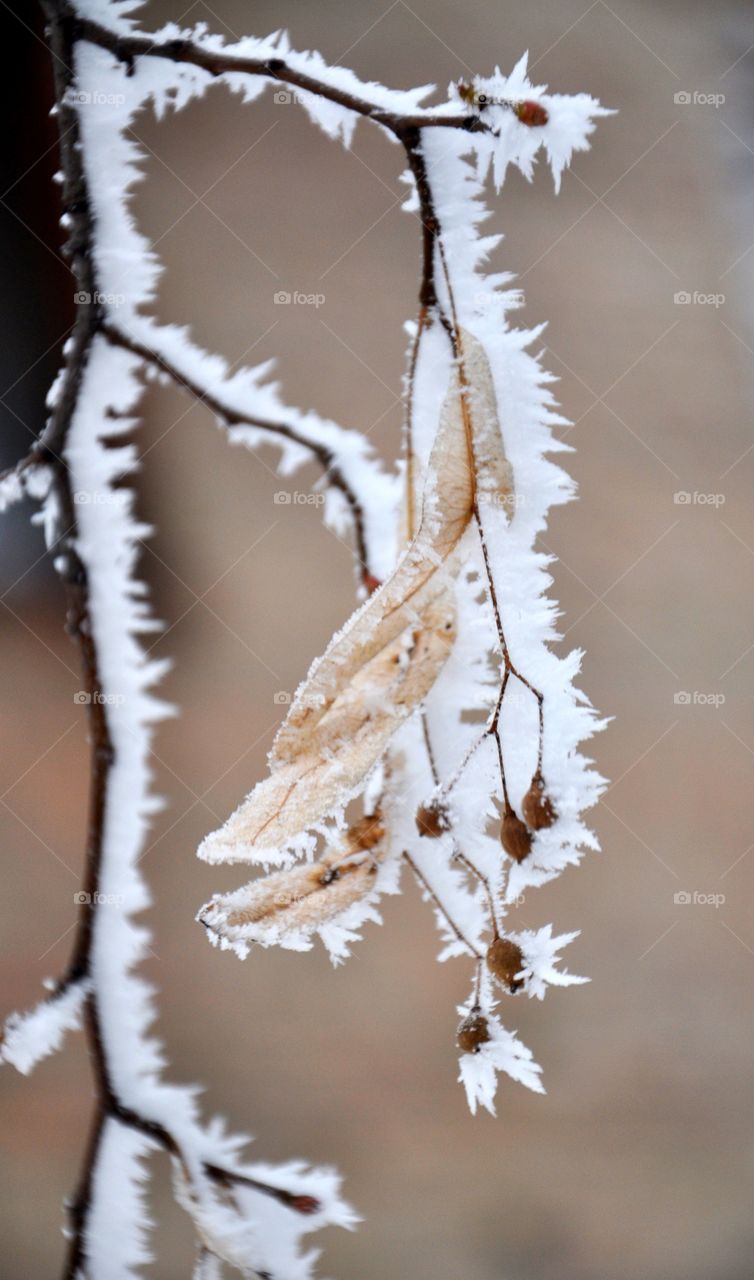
(515, 836)
(504, 960)
(531, 113)
(537, 807)
(432, 819)
(473, 1032)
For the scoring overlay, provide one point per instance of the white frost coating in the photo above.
(540, 955)
(111, 13)
(260, 1236)
(276, 45)
(108, 545)
(11, 490)
(477, 305)
(207, 1266)
(527, 413)
(570, 123)
(503, 1052)
(116, 1241)
(29, 1037)
(127, 273)
(457, 162)
(456, 165)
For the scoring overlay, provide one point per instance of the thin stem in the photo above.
(428, 745)
(408, 434)
(509, 666)
(469, 865)
(441, 907)
(410, 137)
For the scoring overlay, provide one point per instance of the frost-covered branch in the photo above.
(455, 620)
(338, 452)
(251, 1215)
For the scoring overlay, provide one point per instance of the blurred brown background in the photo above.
(638, 1160)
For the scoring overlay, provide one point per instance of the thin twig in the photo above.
(509, 667)
(233, 417)
(441, 907)
(127, 48)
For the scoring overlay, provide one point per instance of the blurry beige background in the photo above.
(637, 1163)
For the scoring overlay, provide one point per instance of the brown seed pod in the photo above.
(432, 819)
(504, 960)
(531, 113)
(473, 1032)
(537, 807)
(515, 836)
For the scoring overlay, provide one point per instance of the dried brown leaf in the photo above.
(350, 737)
(378, 669)
(293, 904)
(467, 460)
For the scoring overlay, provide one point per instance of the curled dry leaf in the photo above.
(377, 670)
(467, 462)
(346, 742)
(289, 906)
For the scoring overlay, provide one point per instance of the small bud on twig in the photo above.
(531, 113)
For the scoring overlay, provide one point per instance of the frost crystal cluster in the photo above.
(436, 736)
